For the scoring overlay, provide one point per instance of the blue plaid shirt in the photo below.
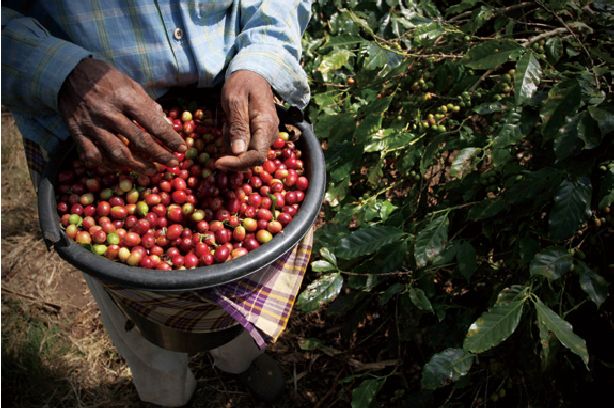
(160, 44)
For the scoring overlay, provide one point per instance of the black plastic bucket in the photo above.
(202, 277)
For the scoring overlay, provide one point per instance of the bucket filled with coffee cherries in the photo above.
(190, 226)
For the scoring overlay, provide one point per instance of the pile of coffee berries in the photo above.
(186, 216)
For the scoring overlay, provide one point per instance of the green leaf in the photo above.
(311, 344)
(364, 24)
(463, 162)
(563, 100)
(430, 151)
(322, 266)
(428, 33)
(336, 192)
(388, 139)
(494, 326)
(514, 293)
(378, 57)
(491, 54)
(367, 240)
(341, 160)
(588, 131)
(545, 339)
(566, 141)
(554, 49)
(604, 116)
(378, 140)
(509, 134)
(571, 208)
(363, 395)
(462, 6)
(606, 191)
(338, 128)
(320, 292)
(343, 40)
(327, 255)
(378, 209)
(334, 61)
(389, 258)
(375, 173)
(527, 77)
(487, 208)
(562, 330)
(551, 263)
(365, 283)
(595, 286)
(390, 292)
(328, 235)
(445, 368)
(466, 259)
(479, 18)
(431, 240)
(372, 123)
(419, 299)
(535, 187)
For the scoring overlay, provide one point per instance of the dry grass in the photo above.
(55, 352)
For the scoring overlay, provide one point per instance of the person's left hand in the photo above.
(251, 120)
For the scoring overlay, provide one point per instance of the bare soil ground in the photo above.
(55, 352)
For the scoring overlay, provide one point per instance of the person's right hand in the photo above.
(99, 104)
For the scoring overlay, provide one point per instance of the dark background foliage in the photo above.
(467, 233)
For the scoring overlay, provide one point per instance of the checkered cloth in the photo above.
(261, 302)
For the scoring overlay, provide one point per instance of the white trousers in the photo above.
(161, 376)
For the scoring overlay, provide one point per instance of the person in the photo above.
(89, 69)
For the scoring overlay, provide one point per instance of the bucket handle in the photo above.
(48, 219)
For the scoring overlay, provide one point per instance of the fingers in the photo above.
(117, 154)
(236, 108)
(149, 115)
(264, 128)
(88, 152)
(142, 142)
(244, 160)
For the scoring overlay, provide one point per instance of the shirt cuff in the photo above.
(278, 67)
(57, 60)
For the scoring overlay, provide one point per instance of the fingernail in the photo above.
(173, 163)
(238, 146)
(182, 148)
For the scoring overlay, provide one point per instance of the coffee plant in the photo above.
(467, 226)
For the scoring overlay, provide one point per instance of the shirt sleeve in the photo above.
(34, 64)
(270, 45)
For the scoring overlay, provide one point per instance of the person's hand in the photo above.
(99, 104)
(251, 120)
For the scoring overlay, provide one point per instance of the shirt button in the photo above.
(178, 33)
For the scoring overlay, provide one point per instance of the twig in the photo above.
(457, 207)
(378, 274)
(295, 380)
(498, 11)
(217, 374)
(378, 365)
(542, 36)
(479, 81)
(33, 299)
(331, 389)
(437, 55)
